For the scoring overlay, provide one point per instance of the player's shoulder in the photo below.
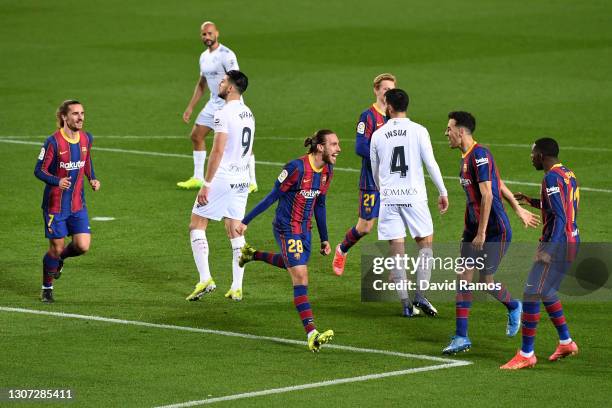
(481, 151)
(224, 49)
(89, 136)
(551, 178)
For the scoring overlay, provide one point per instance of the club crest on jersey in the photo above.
(464, 167)
(323, 179)
(361, 127)
(84, 149)
(283, 175)
(72, 165)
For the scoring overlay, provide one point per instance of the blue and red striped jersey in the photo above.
(369, 121)
(60, 157)
(559, 199)
(300, 190)
(477, 166)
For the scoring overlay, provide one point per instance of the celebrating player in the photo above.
(215, 62)
(369, 121)
(63, 161)
(224, 192)
(301, 189)
(397, 152)
(559, 198)
(487, 231)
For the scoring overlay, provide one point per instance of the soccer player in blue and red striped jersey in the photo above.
(487, 231)
(301, 190)
(559, 198)
(369, 200)
(63, 163)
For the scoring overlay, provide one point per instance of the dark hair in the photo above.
(547, 146)
(464, 120)
(397, 99)
(62, 110)
(239, 80)
(320, 137)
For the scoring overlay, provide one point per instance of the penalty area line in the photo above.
(443, 363)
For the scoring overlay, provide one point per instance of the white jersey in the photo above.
(213, 66)
(397, 153)
(236, 120)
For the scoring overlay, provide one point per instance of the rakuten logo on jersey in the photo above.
(72, 165)
(552, 190)
(465, 182)
(310, 194)
(482, 161)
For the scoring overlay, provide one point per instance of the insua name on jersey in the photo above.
(395, 132)
(245, 114)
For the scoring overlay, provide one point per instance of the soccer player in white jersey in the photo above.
(224, 192)
(215, 61)
(397, 153)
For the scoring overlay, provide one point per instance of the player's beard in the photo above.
(327, 157)
(223, 93)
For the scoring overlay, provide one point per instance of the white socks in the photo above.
(252, 169)
(423, 272)
(237, 271)
(199, 246)
(199, 157)
(398, 276)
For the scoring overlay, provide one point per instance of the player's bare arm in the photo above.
(215, 157)
(528, 218)
(485, 210)
(199, 90)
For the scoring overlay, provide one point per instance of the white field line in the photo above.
(443, 363)
(349, 140)
(275, 164)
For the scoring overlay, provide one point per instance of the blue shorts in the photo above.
(295, 248)
(494, 249)
(61, 225)
(544, 280)
(369, 204)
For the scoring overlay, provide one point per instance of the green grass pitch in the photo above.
(525, 69)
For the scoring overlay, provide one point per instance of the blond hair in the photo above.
(384, 77)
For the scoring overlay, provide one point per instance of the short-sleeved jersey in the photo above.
(397, 152)
(301, 187)
(369, 121)
(559, 199)
(60, 157)
(235, 119)
(213, 66)
(477, 166)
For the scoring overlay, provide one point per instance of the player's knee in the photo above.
(365, 228)
(82, 247)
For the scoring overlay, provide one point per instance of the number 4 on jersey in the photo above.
(398, 161)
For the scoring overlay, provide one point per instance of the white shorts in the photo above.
(206, 117)
(226, 199)
(394, 219)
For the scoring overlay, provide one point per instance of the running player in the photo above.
(487, 231)
(559, 198)
(215, 62)
(224, 192)
(369, 199)
(397, 152)
(64, 161)
(301, 189)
